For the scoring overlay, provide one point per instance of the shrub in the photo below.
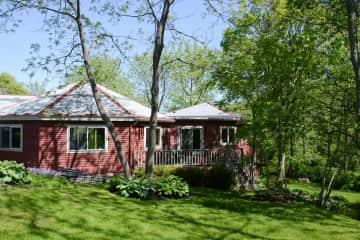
(219, 177)
(348, 181)
(158, 171)
(12, 172)
(302, 169)
(170, 186)
(338, 204)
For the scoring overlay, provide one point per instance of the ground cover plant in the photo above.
(79, 211)
(12, 172)
(158, 187)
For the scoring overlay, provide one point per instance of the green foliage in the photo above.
(107, 72)
(8, 85)
(170, 186)
(347, 181)
(184, 79)
(158, 171)
(283, 195)
(304, 169)
(338, 204)
(218, 177)
(12, 172)
(49, 181)
(137, 188)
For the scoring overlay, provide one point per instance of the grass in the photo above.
(66, 211)
(312, 188)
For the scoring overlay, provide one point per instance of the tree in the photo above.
(62, 19)
(268, 60)
(36, 88)
(160, 25)
(184, 81)
(352, 10)
(190, 74)
(8, 85)
(107, 72)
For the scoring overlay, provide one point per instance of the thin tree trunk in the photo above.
(158, 47)
(281, 161)
(352, 14)
(100, 107)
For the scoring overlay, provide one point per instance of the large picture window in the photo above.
(227, 135)
(147, 137)
(87, 138)
(10, 137)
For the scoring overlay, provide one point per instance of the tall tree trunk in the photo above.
(158, 47)
(281, 166)
(352, 14)
(281, 161)
(100, 106)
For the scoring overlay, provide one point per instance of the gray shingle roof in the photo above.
(76, 100)
(8, 100)
(203, 111)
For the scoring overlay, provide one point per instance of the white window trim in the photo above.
(191, 127)
(158, 146)
(228, 135)
(21, 137)
(87, 132)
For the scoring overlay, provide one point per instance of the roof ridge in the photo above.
(66, 93)
(99, 87)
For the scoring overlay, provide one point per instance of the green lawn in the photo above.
(91, 212)
(352, 197)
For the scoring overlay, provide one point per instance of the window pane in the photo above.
(92, 137)
(100, 138)
(74, 139)
(196, 138)
(82, 138)
(5, 137)
(147, 134)
(224, 135)
(231, 135)
(16, 138)
(157, 136)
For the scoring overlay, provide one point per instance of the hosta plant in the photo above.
(12, 172)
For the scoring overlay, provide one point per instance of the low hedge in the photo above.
(218, 176)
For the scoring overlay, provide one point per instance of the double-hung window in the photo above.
(87, 138)
(227, 135)
(147, 137)
(11, 137)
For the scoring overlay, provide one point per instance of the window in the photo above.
(191, 137)
(147, 137)
(11, 137)
(87, 138)
(227, 135)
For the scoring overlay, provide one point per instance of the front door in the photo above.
(191, 138)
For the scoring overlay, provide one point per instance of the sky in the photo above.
(191, 18)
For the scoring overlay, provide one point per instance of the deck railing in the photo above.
(190, 157)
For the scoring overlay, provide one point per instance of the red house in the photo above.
(63, 129)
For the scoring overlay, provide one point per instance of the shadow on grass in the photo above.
(91, 212)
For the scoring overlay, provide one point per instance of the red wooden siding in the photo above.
(53, 150)
(28, 155)
(45, 144)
